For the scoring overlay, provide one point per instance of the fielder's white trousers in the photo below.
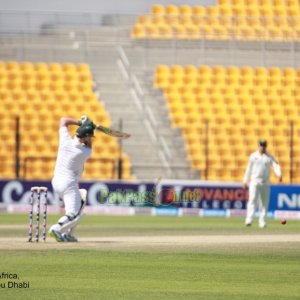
(258, 198)
(68, 191)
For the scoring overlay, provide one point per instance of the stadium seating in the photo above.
(242, 20)
(240, 105)
(40, 94)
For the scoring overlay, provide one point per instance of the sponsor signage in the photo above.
(190, 196)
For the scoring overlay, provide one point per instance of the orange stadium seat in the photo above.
(40, 94)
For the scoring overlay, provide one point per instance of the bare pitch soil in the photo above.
(152, 243)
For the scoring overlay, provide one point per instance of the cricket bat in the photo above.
(112, 132)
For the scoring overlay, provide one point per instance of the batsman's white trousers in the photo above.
(68, 191)
(258, 198)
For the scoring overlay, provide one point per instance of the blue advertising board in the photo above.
(168, 194)
(203, 196)
(99, 193)
(285, 197)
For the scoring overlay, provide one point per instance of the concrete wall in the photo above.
(30, 15)
(99, 6)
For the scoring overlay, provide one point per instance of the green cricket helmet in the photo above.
(84, 131)
(263, 143)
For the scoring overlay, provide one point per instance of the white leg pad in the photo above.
(66, 223)
(69, 225)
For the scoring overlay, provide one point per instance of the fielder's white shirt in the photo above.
(71, 156)
(258, 169)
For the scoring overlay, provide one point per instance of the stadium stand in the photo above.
(240, 105)
(40, 94)
(229, 19)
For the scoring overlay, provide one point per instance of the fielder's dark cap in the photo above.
(84, 131)
(263, 143)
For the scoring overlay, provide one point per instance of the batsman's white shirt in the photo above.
(68, 169)
(258, 169)
(71, 156)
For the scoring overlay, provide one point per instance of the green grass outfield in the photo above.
(158, 270)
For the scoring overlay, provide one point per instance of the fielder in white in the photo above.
(258, 174)
(72, 154)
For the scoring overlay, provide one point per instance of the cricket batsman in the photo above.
(72, 154)
(258, 174)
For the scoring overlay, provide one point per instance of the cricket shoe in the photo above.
(70, 238)
(56, 235)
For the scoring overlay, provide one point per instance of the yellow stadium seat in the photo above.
(252, 11)
(239, 11)
(27, 67)
(243, 20)
(157, 9)
(275, 72)
(143, 20)
(280, 11)
(171, 10)
(41, 67)
(165, 31)
(199, 13)
(224, 2)
(161, 69)
(190, 71)
(278, 3)
(208, 32)
(232, 71)
(293, 11)
(212, 15)
(192, 31)
(172, 20)
(55, 68)
(297, 32)
(186, 20)
(281, 21)
(83, 68)
(254, 21)
(205, 71)
(185, 10)
(289, 73)
(12, 66)
(151, 31)
(266, 11)
(287, 33)
(158, 20)
(265, 2)
(220, 32)
(245, 33)
(179, 120)
(235, 112)
(33, 95)
(274, 33)
(259, 32)
(161, 81)
(179, 31)
(177, 70)
(225, 10)
(292, 2)
(69, 67)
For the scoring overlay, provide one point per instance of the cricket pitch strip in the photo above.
(160, 243)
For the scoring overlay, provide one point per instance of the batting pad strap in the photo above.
(66, 218)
